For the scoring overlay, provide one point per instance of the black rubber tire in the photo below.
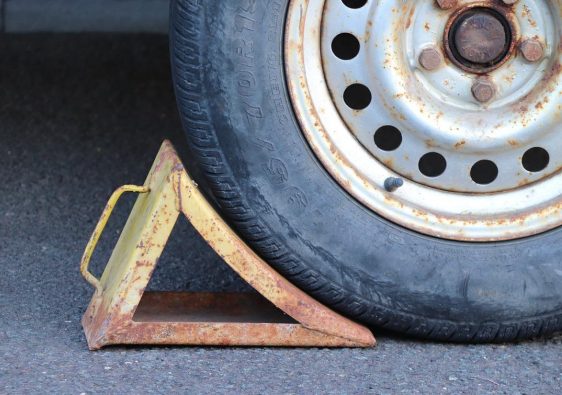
(229, 78)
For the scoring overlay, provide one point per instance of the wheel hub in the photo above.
(459, 100)
(479, 39)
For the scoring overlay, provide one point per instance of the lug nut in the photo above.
(446, 4)
(391, 184)
(510, 2)
(532, 50)
(483, 90)
(430, 58)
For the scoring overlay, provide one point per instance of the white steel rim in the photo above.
(518, 203)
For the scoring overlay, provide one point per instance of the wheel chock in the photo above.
(122, 313)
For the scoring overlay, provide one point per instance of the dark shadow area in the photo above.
(79, 116)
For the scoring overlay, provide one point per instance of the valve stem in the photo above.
(391, 184)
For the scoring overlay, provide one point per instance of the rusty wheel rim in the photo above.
(450, 152)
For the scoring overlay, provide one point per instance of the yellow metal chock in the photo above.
(121, 312)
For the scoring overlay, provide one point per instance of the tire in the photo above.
(227, 60)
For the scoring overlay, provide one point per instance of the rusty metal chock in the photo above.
(122, 313)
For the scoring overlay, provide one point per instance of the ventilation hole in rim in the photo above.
(388, 138)
(432, 164)
(354, 3)
(357, 96)
(484, 172)
(536, 159)
(345, 46)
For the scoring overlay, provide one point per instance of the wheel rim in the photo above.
(454, 149)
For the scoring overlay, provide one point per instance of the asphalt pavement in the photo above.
(83, 114)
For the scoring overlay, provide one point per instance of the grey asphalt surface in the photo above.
(83, 114)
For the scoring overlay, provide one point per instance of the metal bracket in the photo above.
(122, 313)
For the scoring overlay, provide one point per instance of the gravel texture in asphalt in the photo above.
(83, 114)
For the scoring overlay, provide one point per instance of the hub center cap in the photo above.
(480, 37)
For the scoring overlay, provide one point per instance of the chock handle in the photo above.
(98, 231)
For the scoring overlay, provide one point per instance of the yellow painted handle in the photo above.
(94, 239)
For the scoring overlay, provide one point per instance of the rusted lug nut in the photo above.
(510, 2)
(483, 90)
(446, 4)
(430, 58)
(532, 50)
(391, 184)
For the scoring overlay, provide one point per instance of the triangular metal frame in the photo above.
(122, 313)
